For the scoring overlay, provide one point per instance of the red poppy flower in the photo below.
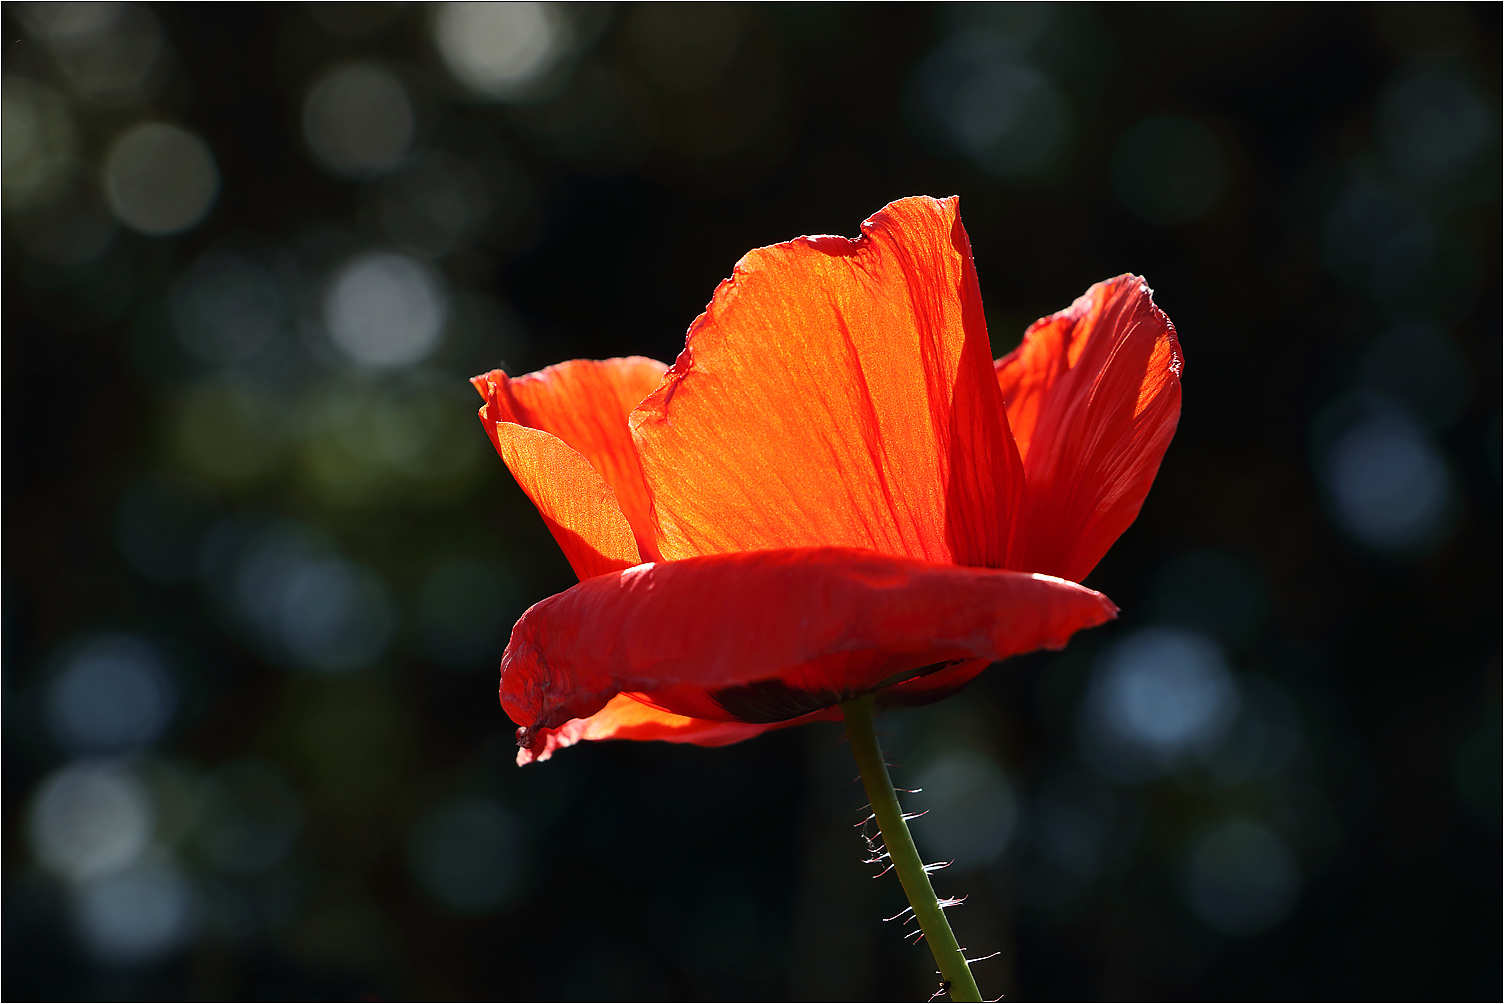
(833, 491)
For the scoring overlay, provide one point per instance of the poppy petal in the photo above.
(838, 392)
(585, 403)
(772, 635)
(625, 717)
(1093, 397)
(574, 500)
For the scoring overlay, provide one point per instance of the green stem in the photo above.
(901, 851)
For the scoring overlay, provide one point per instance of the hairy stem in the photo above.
(901, 851)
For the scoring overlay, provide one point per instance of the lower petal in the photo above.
(625, 717)
(770, 636)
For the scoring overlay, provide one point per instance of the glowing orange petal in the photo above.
(1093, 397)
(489, 386)
(576, 503)
(625, 717)
(585, 403)
(772, 635)
(838, 392)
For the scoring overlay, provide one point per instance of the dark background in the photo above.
(260, 562)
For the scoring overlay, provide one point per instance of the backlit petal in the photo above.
(585, 403)
(838, 392)
(772, 635)
(1093, 397)
(624, 717)
(576, 503)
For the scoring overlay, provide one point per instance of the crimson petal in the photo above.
(773, 635)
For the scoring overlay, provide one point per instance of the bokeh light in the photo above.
(136, 915)
(160, 179)
(973, 809)
(302, 601)
(500, 50)
(90, 819)
(1241, 878)
(1156, 697)
(1387, 485)
(114, 694)
(107, 51)
(358, 119)
(60, 21)
(38, 142)
(385, 310)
